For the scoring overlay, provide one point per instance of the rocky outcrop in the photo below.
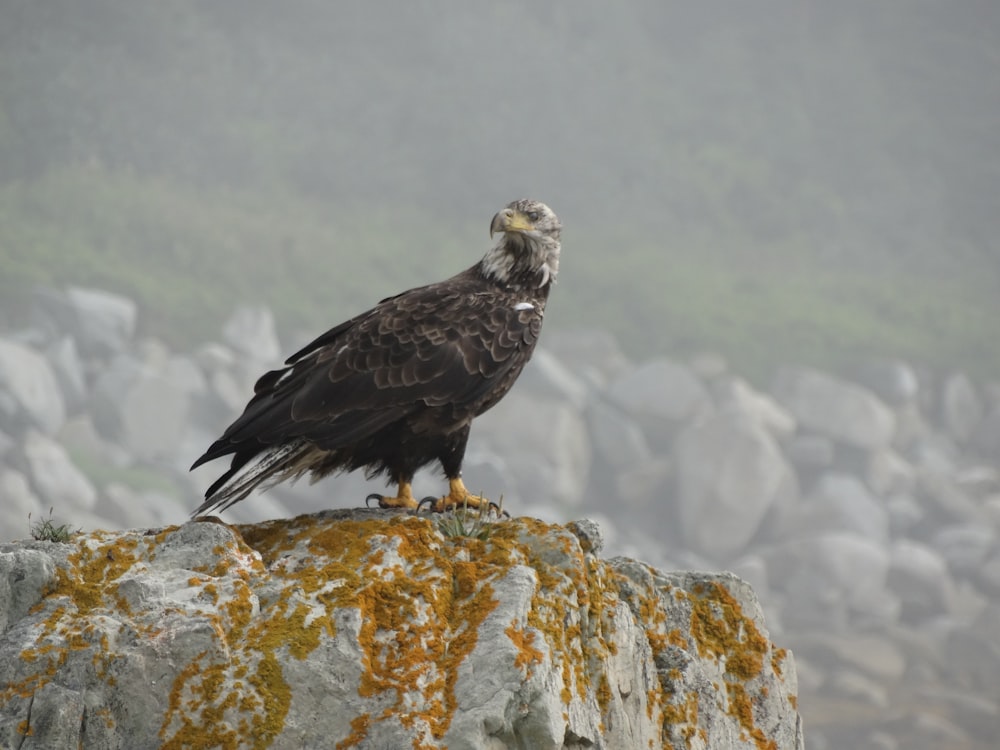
(863, 505)
(372, 629)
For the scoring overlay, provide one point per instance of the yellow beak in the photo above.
(510, 220)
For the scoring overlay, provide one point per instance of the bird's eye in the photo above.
(533, 215)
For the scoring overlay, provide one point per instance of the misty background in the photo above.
(773, 183)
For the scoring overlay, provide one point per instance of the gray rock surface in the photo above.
(370, 629)
(54, 476)
(730, 470)
(101, 322)
(29, 391)
(903, 549)
(842, 410)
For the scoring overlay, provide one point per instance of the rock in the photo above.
(592, 355)
(616, 438)
(886, 472)
(375, 629)
(101, 322)
(29, 391)
(661, 389)
(25, 576)
(810, 453)
(730, 473)
(141, 408)
(838, 502)
(964, 547)
(21, 506)
(736, 393)
(545, 376)
(919, 577)
(544, 444)
(54, 476)
(876, 656)
(986, 438)
(961, 407)
(831, 580)
(68, 369)
(905, 512)
(892, 380)
(842, 410)
(250, 331)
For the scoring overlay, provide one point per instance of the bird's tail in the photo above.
(266, 469)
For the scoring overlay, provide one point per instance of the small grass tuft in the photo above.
(476, 523)
(47, 530)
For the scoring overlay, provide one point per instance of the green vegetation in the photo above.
(475, 523)
(806, 182)
(47, 530)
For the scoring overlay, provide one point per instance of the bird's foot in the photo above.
(459, 497)
(404, 498)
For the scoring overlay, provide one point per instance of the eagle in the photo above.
(397, 387)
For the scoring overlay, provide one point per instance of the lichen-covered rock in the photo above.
(368, 629)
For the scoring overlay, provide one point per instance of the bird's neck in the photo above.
(522, 262)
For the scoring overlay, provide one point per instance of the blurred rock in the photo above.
(101, 322)
(250, 331)
(842, 410)
(546, 377)
(29, 391)
(838, 502)
(66, 366)
(810, 453)
(892, 380)
(21, 506)
(592, 355)
(736, 393)
(919, 577)
(543, 442)
(140, 408)
(730, 473)
(660, 389)
(54, 477)
(961, 408)
(616, 438)
(964, 547)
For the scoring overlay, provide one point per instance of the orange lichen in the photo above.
(527, 654)
(722, 631)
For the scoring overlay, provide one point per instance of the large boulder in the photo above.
(142, 407)
(834, 407)
(661, 389)
(373, 629)
(729, 473)
(102, 323)
(29, 390)
(54, 476)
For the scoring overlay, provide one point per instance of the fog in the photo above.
(744, 188)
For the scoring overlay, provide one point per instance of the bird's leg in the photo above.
(458, 496)
(404, 498)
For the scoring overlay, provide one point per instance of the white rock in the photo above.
(29, 391)
(730, 473)
(661, 389)
(961, 407)
(919, 577)
(250, 330)
(844, 411)
(54, 476)
(737, 393)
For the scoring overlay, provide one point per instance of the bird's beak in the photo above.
(510, 220)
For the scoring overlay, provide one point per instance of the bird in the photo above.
(397, 387)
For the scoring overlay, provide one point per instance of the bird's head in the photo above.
(527, 253)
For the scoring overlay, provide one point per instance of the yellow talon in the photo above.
(458, 497)
(404, 498)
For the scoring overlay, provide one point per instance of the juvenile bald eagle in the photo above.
(397, 387)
